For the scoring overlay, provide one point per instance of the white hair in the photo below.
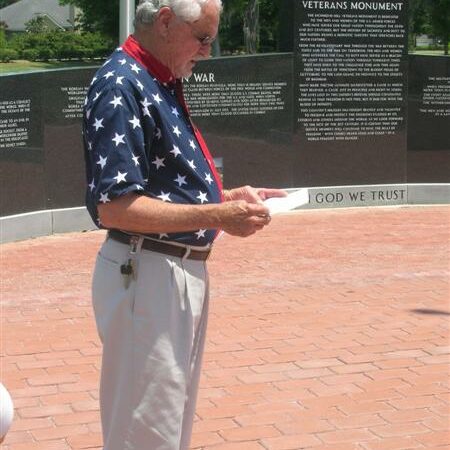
(186, 10)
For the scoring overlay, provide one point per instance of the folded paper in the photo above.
(292, 201)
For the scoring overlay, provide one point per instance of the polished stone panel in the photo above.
(350, 78)
(64, 93)
(22, 160)
(41, 156)
(243, 106)
(429, 119)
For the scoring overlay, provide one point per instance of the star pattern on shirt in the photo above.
(98, 124)
(137, 139)
(139, 85)
(135, 122)
(116, 101)
(146, 111)
(135, 159)
(202, 197)
(180, 180)
(157, 98)
(200, 234)
(145, 103)
(104, 198)
(135, 68)
(208, 178)
(120, 177)
(118, 139)
(176, 130)
(102, 161)
(175, 151)
(164, 196)
(159, 162)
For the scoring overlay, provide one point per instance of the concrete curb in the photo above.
(44, 223)
(47, 222)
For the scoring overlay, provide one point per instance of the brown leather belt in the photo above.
(161, 247)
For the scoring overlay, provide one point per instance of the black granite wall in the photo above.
(247, 108)
(428, 156)
(41, 156)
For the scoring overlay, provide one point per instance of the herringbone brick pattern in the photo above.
(328, 330)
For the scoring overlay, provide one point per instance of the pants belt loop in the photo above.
(136, 242)
(134, 252)
(186, 254)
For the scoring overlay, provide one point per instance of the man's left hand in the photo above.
(252, 195)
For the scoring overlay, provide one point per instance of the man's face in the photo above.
(189, 42)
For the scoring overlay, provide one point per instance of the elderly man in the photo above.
(153, 185)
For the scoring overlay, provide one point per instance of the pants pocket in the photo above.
(110, 297)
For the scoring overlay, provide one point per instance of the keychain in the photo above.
(128, 270)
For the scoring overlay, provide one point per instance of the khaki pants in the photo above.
(153, 335)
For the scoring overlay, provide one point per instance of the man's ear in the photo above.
(163, 20)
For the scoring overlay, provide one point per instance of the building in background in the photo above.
(16, 16)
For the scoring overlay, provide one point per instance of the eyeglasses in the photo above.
(205, 40)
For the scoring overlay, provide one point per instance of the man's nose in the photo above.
(205, 50)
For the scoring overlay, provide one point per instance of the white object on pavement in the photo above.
(6, 411)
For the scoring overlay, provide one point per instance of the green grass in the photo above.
(428, 52)
(21, 66)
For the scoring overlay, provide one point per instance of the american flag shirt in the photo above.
(138, 137)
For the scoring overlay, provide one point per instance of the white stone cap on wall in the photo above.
(43, 223)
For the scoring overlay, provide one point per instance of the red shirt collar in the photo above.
(133, 48)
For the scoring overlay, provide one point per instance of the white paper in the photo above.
(293, 200)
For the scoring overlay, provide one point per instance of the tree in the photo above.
(98, 15)
(4, 3)
(251, 26)
(440, 20)
(246, 26)
(231, 27)
(270, 16)
(418, 20)
(3, 28)
(37, 25)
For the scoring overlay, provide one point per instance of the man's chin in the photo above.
(186, 73)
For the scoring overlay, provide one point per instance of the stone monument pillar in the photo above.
(350, 76)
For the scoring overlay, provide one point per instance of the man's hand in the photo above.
(241, 218)
(252, 195)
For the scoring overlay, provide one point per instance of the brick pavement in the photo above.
(329, 330)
